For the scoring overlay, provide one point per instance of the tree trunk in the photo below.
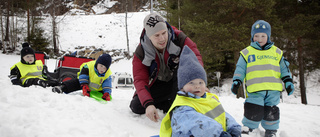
(6, 38)
(2, 33)
(28, 20)
(301, 73)
(127, 26)
(55, 47)
(240, 90)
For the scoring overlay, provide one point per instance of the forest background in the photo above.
(220, 28)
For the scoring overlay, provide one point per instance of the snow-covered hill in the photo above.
(36, 111)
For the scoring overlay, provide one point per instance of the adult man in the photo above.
(155, 65)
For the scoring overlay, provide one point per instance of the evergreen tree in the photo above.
(219, 28)
(301, 25)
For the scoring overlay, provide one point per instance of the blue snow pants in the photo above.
(261, 107)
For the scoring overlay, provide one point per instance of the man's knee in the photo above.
(136, 106)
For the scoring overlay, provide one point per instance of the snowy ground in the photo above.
(37, 112)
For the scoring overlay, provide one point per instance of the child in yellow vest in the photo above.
(195, 112)
(28, 71)
(93, 76)
(263, 68)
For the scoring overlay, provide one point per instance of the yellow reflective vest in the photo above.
(263, 69)
(95, 81)
(28, 71)
(209, 106)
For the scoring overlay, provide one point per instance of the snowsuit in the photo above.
(192, 115)
(152, 89)
(89, 75)
(25, 74)
(264, 69)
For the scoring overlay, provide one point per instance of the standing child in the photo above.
(28, 71)
(93, 76)
(195, 112)
(263, 67)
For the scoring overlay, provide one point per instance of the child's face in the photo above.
(262, 38)
(29, 58)
(101, 68)
(196, 87)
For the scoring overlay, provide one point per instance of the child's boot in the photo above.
(246, 130)
(270, 133)
(57, 89)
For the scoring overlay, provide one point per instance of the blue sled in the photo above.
(155, 136)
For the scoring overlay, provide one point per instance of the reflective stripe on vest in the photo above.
(28, 71)
(263, 69)
(209, 106)
(95, 81)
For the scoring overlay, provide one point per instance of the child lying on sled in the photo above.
(93, 76)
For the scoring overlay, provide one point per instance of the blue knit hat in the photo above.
(104, 59)
(261, 26)
(189, 68)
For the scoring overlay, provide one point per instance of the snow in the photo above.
(37, 111)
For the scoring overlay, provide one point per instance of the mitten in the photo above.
(235, 86)
(16, 82)
(235, 132)
(106, 96)
(289, 87)
(42, 83)
(225, 134)
(85, 90)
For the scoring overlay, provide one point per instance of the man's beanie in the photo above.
(26, 50)
(104, 59)
(261, 26)
(189, 68)
(153, 23)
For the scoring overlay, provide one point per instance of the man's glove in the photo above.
(225, 134)
(106, 96)
(235, 86)
(85, 90)
(289, 87)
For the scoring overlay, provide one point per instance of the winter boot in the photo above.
(57, 89)
(270, 133)
(246, 130)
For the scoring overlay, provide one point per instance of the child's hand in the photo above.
(235, 86)
(85, 90)
(289, 88)
(106, 96)
(225, 134)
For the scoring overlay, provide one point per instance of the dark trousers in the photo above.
(70, 86)
(163, 94)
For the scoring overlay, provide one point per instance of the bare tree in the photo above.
(1, 25)
(127, 26)
(6, 40)
(54, 27)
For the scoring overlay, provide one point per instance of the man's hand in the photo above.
(152, 113)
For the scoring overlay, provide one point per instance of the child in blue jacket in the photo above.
(195, 112)
(93, 76)
(264, 68)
